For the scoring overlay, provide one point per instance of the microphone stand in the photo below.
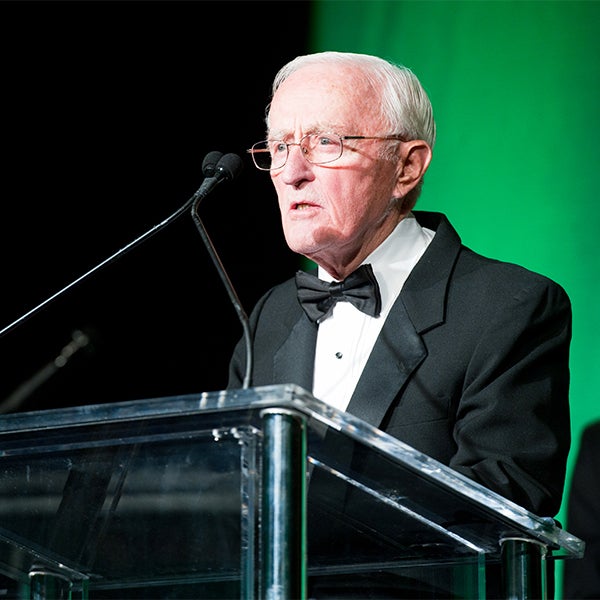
(228, 169)
(229, 287)
(106, 261)
(216, 168)
(79, 340)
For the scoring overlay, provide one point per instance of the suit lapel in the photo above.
(399, 348)
(294, 361)
(397, 352)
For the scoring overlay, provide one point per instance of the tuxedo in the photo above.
(470, 367)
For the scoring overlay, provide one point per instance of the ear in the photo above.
(415, 156)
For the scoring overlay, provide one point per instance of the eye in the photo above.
(325, 140)
(278, 147)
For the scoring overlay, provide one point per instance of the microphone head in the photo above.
(229, 167)
(209, 164)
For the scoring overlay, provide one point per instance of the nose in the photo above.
(296, 168)
(303, 151)
(302, 148)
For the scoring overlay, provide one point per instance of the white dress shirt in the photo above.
(346, 338)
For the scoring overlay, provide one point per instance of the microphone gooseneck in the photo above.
(227, 168)
(210, 163)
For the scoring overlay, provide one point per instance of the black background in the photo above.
(108, 109)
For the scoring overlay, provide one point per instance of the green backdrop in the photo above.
(515, 88)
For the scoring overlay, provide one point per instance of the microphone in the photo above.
(209, 163)
(227, 167)
(215, 167)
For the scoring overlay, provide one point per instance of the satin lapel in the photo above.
(294, 361)
(397, 352)
(399, 348)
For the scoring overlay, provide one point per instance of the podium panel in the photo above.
(259, 493)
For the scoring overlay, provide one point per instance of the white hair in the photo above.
(404, 104)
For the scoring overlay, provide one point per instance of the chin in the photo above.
(301, 248)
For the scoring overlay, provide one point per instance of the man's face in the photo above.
(336, 213)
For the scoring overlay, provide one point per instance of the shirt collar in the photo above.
(394, 258)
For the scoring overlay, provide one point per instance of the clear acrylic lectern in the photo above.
(257, 493)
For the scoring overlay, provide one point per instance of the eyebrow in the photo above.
(282, 135)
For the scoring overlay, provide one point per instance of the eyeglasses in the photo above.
(317, 149)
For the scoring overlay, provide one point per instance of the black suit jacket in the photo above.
(470, 368)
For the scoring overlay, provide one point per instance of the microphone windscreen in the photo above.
(209, 164)
(230, 166)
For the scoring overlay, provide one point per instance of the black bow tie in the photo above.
(318, 297)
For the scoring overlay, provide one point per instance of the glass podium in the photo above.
(263, 493)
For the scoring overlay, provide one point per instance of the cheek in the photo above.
(279, 191)
(345, 211)
(355, 200)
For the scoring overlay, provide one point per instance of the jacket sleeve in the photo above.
(512, 427)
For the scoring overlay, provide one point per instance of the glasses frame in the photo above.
(253, 151)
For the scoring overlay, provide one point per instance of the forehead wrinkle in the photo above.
(286, 135)
(345, 103)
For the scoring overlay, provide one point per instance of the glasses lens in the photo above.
(261, 155)
(318, 148)
(321, 148)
